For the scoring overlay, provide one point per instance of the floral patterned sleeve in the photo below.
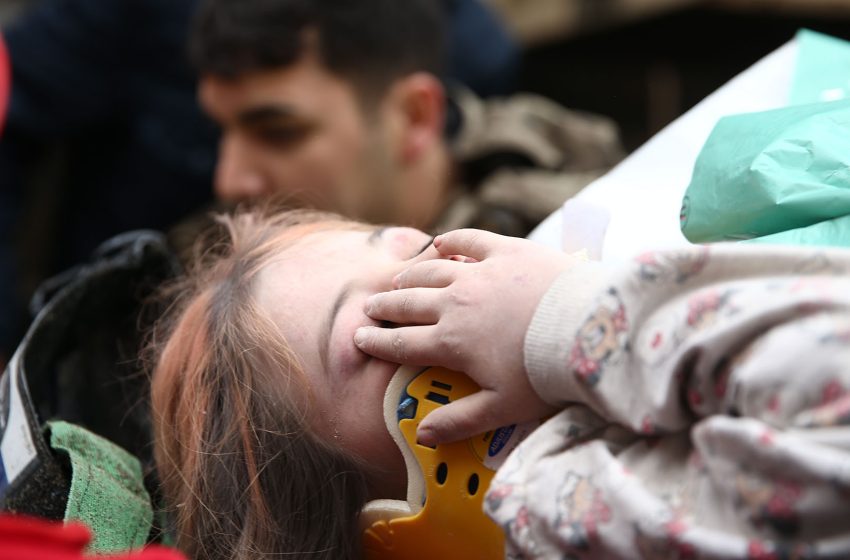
(706, 412)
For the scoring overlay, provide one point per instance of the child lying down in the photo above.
(695, 402)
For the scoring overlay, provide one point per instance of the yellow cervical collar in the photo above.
(443, 516)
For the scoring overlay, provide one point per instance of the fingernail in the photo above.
(426, 437)
(360, 336)
(438, 240)
(397, 281)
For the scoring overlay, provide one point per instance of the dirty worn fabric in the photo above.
(107, 489)
(705, 398)
(518, 158)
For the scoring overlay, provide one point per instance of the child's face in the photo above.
(315, 293)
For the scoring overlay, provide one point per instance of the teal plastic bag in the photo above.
(765, 173)
(822, 72)
(830, 233)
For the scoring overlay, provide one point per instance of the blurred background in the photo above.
(640, 62)
(645, 62)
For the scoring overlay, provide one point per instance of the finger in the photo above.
(474, 243)
(412, 306)
(464, 418)
(405, 345)
(429, 274)
(428, 254)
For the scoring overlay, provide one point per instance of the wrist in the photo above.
(550, 335)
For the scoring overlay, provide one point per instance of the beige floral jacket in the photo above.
(705, 399)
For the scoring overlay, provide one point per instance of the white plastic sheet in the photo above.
(635, 206)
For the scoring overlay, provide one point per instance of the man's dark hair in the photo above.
(369, 42)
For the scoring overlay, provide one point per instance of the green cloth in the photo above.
(769, 172)
(829, 233)
(107, 489)
(822, 72)
(781, 176)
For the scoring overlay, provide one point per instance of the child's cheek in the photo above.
(349, 356)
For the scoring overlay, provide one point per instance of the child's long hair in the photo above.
(243, 475)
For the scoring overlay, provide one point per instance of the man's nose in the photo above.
(237, 178)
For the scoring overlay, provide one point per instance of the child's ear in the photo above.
(420, 101)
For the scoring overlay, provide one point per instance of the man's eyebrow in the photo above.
(263, 113)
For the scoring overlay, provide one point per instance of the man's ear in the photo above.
(420, 101)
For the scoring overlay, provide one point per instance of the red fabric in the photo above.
(27, 538)
(5, 82)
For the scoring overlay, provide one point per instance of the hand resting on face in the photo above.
(469, 313)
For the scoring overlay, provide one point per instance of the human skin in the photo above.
(470, 314)
(304, 135)
(315, 292)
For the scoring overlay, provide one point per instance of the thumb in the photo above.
(461, 419)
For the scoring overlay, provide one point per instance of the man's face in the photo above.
(301, 134)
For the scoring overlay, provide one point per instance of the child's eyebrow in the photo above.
(376, 235)
(424, 247)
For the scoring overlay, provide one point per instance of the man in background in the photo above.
(339, 105)
(104, 132)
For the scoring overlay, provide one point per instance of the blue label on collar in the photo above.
(501, 437)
